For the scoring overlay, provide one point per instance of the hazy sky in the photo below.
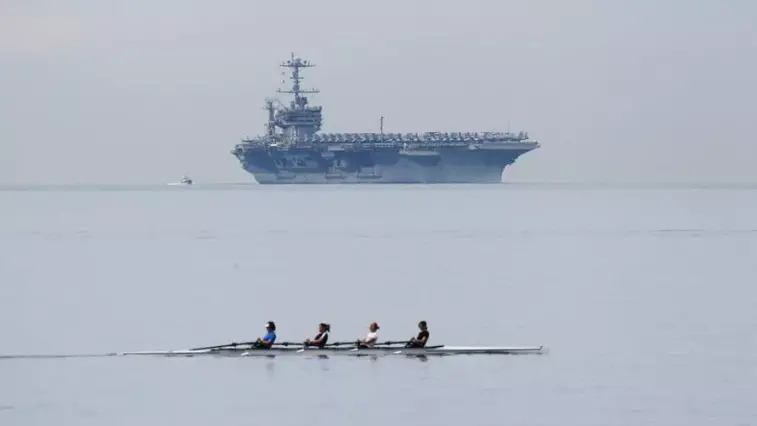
(116, 91)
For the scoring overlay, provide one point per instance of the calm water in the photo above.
(646, 298)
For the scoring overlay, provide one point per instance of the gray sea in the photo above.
(645, 297)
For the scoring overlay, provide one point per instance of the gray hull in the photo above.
(450, 165)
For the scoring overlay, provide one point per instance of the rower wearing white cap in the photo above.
(267, 341)
(371, 338)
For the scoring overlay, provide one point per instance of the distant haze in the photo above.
(145, 91)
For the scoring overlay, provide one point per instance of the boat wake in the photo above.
(55, 356)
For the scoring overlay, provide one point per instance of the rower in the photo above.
(422, 339)
(370, 338)
(267, 341)
(321, 338)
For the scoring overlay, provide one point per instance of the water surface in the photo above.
(645, 297)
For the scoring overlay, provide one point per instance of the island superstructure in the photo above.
(293, 151)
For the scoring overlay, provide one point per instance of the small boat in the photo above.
(183, 182)
(375, 351)
(347, 349)
(440, 350)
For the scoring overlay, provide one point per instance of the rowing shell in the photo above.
(374, 351)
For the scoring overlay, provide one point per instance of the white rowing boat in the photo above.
(352, 351)
(384, 351)
(246, 351)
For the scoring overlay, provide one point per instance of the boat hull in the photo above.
(441, 165)
(353, 352)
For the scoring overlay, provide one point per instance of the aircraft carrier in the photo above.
(293, 152)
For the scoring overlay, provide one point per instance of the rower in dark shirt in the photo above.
(321, 338)
(422, 339)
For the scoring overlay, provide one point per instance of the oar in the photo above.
(340, 343)
(352, 342)
(235, 344)
(228, 345)
(394, 342)
(389, 342)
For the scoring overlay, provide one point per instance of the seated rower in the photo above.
(371, 338)
(422, 339)
(268, 340)
(321, 338)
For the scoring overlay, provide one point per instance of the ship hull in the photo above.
(450, 165)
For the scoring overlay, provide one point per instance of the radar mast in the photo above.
(295, 63)
(299, 121)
